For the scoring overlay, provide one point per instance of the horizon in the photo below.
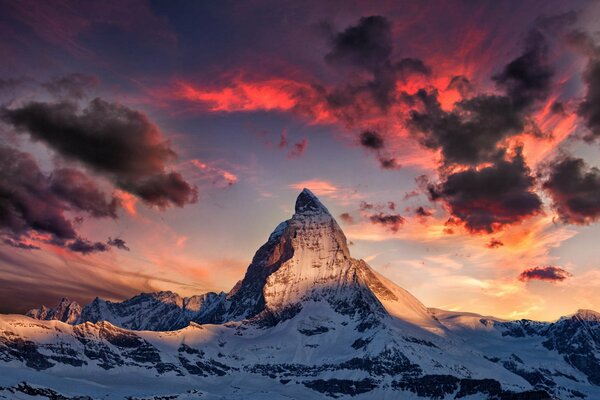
(153, 147)
(228, 291)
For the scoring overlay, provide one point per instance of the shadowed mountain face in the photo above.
(306, 321)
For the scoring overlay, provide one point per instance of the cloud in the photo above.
(73, 85)
(319, 187)
(545, 273)
(33, 205)
(283, 140)
(248, 94)
(363, 206)
(86, 247)
(494, 243)
(392, 221)
(422, 212)
(575, 190)
(343, 195)
(19, 244)
(527, 78)
(217, 176)
(118, 243)
(82, 193)
(27, 203)
(295, 150)
(471, 133)
(367, 44)
(462, 85)
(589, 108)
(109, 139)
(371, 140)
(368, 47)
(489, 198)
(298, 149)
(347, 218)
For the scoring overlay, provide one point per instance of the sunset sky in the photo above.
(150, 146)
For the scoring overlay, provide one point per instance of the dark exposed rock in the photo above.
(361, 343)
(39, 392)
(315, 331)
(13, 347)
(335, 387)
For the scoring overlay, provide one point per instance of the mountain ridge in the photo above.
(306, 321)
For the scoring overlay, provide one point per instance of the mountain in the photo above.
(161, 311)
(307, 321)
(66, 311)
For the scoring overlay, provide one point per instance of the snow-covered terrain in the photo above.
(307, 321)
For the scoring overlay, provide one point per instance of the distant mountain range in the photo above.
(307, 321)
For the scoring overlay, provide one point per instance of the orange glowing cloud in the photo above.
(319, 187)
(127, 201)
(342, 195)
(247, 95)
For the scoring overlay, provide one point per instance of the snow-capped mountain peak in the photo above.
(307, 202)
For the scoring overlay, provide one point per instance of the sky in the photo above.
(150, 146)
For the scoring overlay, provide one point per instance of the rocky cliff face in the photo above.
(306, 259)
(306, 321)
(66, 311)
(161, 311)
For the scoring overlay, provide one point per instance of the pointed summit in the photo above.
(307, 202)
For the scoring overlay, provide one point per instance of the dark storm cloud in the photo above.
(409, 66)
(112, 140)
(82, 193)
(73, 85)
(494, 244)
(546, 273)
(488, 198)
(461, 84)
(118, 243)
(347, 218)
(26, 201)
(371, 140)
(368, 47)
(575, 190)
(84, 246)
(391, 221)
(33, 204)
(527, 78)
(589, 108)
(471, 132)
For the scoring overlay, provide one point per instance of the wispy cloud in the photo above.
(341, 194)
